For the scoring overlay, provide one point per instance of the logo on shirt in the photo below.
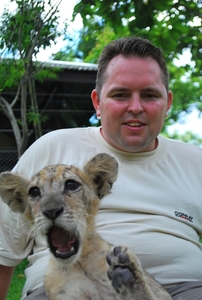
(184, 216)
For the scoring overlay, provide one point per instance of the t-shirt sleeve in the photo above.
(15, 244)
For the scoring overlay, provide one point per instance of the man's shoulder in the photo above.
(182, 147)
(65, 135)
(70, 132)
(60, 146)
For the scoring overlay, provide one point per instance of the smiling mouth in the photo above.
(134, 124)
(63, 244)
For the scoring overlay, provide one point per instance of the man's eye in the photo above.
(71, 185)
(149, 96)
(120, 96)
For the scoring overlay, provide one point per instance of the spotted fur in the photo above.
(61, 202)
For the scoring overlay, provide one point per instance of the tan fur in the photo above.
(66, 197)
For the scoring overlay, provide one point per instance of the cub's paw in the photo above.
(122, 264)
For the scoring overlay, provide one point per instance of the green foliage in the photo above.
(187, 137)
(171, 25)
(31, 27)
(36, 117)
(187, 94)
(106, 35)
(11, 72)
(46, 73)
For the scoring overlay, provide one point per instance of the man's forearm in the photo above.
(6, 274)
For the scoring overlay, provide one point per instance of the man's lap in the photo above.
(187, 291)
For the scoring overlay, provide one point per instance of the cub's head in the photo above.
(61, 201)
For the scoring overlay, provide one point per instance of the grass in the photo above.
(17, 282)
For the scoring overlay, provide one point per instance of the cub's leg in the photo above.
(127, 276)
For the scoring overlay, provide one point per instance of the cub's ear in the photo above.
(102, 171)
(13, 191)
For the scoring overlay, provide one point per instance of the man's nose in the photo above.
(135, 104)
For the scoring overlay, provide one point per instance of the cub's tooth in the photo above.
(57, 251)
(72, 249)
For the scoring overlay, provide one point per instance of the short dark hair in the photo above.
(130, 46)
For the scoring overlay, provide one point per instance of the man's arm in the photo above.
(6, 274)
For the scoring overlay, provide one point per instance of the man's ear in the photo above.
(169, 101)
(96, 102)
(13, 191)
(102, 171)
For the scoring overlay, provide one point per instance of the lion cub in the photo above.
(62, 202)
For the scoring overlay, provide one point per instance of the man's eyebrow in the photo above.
(143, 90)
(151, 89)
(118, 89)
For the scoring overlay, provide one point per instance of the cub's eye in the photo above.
(34, 192)
(71, 185)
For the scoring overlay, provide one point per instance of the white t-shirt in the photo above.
(155, 206)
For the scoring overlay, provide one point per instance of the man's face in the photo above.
(133, 103)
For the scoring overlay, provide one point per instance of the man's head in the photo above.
(131, 95)
(129, 46)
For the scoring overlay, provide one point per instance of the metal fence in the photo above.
(8, 159)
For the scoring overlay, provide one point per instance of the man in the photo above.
(155, 205)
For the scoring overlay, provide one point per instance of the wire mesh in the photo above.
(8, 159)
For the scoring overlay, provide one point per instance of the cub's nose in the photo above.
(53, 213)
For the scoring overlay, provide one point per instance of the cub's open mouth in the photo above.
(63, 244)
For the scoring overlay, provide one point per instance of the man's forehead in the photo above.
(120, 59)
(128, 64)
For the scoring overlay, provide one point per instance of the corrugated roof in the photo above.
(80, 66)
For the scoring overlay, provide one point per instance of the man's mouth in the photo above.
(134, 124)
(63, 244)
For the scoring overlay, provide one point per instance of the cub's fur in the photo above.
(62, 201)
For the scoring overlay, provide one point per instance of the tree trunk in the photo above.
(36, 121)
(8, 111)
(24, 125)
